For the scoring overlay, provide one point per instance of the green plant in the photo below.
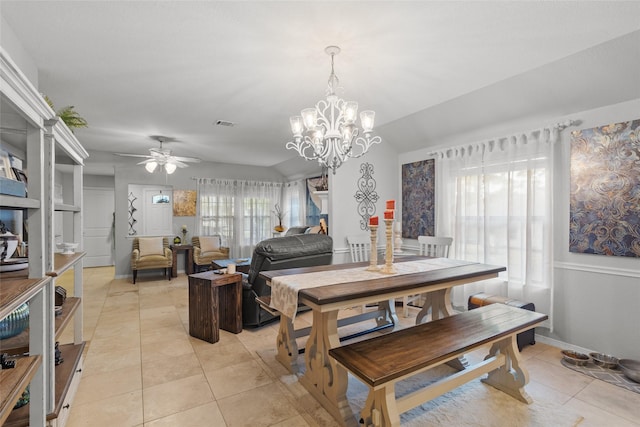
(68, 115)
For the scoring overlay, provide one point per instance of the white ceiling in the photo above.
(140, 68)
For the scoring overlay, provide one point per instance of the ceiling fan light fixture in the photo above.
(170, 168)
(151, 166)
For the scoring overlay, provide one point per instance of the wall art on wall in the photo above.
(132, 211)
(418, 199)
(184, 202)
(366, 195)
(605, 190)
(314, 202)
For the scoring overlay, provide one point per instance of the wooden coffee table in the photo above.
(242, 264)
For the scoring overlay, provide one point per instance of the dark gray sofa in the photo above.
(299, 250)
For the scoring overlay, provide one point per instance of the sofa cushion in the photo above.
(209, 244)
(150, 246)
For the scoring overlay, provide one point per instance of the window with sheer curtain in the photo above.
(240, 211)
(495, 200)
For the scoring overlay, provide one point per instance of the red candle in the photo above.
(388, 214)
(391, 204)
(373, 220)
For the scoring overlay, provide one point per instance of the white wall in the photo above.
(596, 298)
(344, 219)
(127, 172)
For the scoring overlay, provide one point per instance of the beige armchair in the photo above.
(149, 253)
(206, 249)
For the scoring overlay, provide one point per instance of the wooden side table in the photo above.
(215, 301)
(188, 259)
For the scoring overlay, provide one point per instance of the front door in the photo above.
(98, 210)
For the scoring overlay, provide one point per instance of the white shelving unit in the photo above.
(30, 130)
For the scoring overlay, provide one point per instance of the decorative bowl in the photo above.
(8, 245)
(67, 247)
(631, 368)
(604, 360)
(575, 358)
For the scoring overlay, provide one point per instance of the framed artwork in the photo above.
(184, 202)
(418, 199)
(605, 189)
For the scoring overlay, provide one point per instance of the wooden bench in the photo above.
(382, 361)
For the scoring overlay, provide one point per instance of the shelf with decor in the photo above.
(19, 344)
(23, 113)
(34, 139)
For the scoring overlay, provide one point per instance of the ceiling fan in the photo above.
(162, 157)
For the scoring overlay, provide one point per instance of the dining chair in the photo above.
(429, 246)
(359, 247)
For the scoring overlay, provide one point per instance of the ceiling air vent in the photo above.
(225, 123)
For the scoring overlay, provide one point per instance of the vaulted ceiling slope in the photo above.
(428, 68)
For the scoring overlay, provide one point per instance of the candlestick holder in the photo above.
(397, 243)
(373, 259)
(388, 267)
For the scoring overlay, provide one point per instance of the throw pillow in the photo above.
(150, 246)
(210, 244)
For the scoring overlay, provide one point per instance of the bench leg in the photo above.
(381, 410)
(286, 345)
(512, 376)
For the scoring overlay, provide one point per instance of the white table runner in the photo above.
(284, 289)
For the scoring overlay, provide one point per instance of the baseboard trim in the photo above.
(625, 272)
(561, 344)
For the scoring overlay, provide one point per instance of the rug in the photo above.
(612, 376)
(473, 404)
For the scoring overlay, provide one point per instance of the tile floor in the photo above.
(142, 369)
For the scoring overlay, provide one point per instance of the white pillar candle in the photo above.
(231, 269)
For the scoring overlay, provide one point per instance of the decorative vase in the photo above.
(16, 322)
(278, 228)
(177, 240)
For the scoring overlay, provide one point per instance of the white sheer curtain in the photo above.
(495, 198)
(294, 203)
(240, 211)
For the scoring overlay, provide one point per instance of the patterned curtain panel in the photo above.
(496, 202)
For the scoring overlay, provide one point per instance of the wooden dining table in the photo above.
(331, 288)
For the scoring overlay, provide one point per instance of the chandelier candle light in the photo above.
(328, 133)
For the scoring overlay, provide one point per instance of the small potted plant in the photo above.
(280, 215)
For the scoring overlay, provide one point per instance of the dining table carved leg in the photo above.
(287, 348)
(388, 316)
(324, 378)
(437, 305)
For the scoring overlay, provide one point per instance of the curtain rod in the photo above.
(560, 126)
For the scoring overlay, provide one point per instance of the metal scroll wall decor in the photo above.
(132, 211)
(366, 195)
(605, 189)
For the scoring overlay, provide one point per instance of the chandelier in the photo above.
(328, 133)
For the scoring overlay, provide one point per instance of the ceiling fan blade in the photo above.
(144, 162)
(178, 163)
(132, 155)
(186, 159)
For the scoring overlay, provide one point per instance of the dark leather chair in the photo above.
(299, 250)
